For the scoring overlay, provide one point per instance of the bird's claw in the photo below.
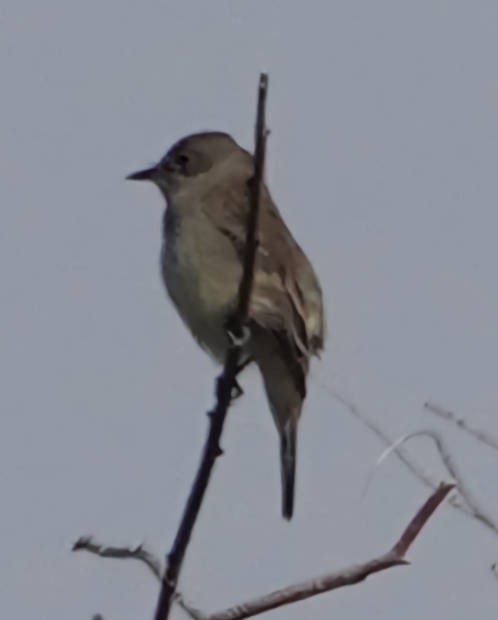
(237, 335)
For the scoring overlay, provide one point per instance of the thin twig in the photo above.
(416, 469)
(452, 468)
(377, 430)
(87, 543)
(227, 381)
(483, 436)
(331, 581)
(440, 447)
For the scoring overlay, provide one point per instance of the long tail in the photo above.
(288, 438)
(284, 377)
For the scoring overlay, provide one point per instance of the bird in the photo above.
(204, 179)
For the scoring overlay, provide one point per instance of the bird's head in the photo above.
(187, 159)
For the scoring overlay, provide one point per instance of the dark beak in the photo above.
(142, 175)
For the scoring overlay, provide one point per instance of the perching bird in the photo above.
(204, 179)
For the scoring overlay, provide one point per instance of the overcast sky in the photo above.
(383, 158)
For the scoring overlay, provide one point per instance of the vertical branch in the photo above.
(227, 380)
(260, 134)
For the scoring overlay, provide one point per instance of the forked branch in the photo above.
(291, 594)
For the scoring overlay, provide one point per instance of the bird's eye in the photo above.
(182, 160)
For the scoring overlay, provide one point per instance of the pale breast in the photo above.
(200, 280)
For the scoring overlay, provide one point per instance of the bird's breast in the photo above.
(199, 281)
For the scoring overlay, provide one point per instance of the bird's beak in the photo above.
(143, 175)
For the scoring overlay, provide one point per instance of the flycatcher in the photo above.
(204, 180)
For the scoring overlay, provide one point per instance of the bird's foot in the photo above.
(238, 335)
(237, 390)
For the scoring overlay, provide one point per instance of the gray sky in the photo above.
(383, 158)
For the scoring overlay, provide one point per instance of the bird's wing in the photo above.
(286, 296)
(286, 312)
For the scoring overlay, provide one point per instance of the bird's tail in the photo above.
(284, 376)
(288, 438)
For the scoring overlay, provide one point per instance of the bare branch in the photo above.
(331, 581)
(251, 244)
(377, 430)
(413, 529)
(472, 504)
(482, 436)
(470, 509)
(227, 381)
(291, 594)
(192, 612)
(87, 543)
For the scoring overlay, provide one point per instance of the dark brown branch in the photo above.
(251, 245)
(482, 436)
(331, 581)
(87, 543)
(227, 381)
